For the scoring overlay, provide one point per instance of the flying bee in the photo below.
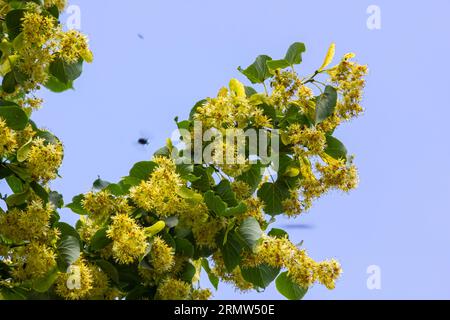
(143, 141)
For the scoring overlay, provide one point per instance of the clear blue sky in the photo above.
(399, 217)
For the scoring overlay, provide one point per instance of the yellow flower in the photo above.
(100, 283)
(173, 289)
(8, 142)
(310, 138)
(31, 224)
(161, 255)
(73, 46)
(44, 159)
(32, 261)
(129, 239)
(205, 233)
(160, 192)
(38, 29)
(60, 4)
(77, 283)
(348, 77)
(201, 294)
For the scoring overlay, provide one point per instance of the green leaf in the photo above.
(188, 272)
(325, 104)
(54, 85)
(219, 207)
(49, 137)
(9, 83)
(121, 188)
(22, 173)
(260, 276)
(335, 148)
(214, 203)
(44, 284)
(223, 189)
(189, 194)
(273, 194)
(211, 276)
(143, 169)
(277, 64)
(184, 247)
(18, 199)
(22, 153)
(251, 232)
(14, 116)
(195, 107)
(64, 71)
(288, 288)
(205, 181)
(100, 240)
(252, 177)
(162, 152)
(13, 22)
(231, 251)
(12, 294)
(66, 230)
(76, 205)
(109, 269)
(40, 191)
(278, 233)
(258, 71)
(15, 184)
(100, 184)
(249, 91)
(68, 251)
(10, 243)
(294, 53)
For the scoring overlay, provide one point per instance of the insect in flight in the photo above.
(143, 141)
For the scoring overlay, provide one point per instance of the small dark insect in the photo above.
(140, 36)
(143, 141)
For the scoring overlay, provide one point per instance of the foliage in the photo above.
(150, 235)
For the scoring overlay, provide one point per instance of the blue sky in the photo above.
(398, 219)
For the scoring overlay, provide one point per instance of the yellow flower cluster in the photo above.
(281, 253)
(73, 45)
(292, 206)
(100, 283)
(101, 205)
(44, 159)
(60, 4)
(32, 261)
(42, 41)
(235, 277)
(254, 209)
(129, 239)
(77, 283)
(161, 255)
(8, 142)
(337, 173)
(173, 289)
(160, 192)
(201, 294)
(311, 138)
(285, 85)
(31, 224)
(205, 233)
(348, 76)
